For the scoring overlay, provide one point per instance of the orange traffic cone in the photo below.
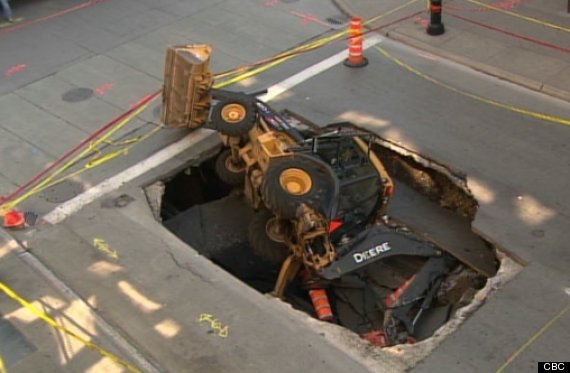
(321, 304)
(355, 57)
(14, 219)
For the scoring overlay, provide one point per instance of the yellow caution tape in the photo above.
(533, 114)
(54, 324)
(526, 18)
(73, 161)
(100, 159)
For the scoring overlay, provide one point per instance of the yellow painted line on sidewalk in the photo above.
(529, 113)
(54, 324)
(526, 18)
(533, 338)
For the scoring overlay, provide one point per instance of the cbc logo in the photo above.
(553, 367)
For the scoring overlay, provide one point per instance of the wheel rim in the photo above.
(295, 181)
(233, 113)
(273, 231)
(232, 166)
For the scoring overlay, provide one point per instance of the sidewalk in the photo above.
(522, 41)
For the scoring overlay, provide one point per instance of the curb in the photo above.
(518, 79)
(115, 336)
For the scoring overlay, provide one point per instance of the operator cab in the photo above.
(361, 188)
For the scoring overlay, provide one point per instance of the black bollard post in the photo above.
(435, 26)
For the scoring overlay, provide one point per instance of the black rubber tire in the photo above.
(227, 175)
(237, 128)
(284, 204)
(263, 246)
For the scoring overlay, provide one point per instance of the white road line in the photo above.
(75, 204)
(309, 72)
(70, 207)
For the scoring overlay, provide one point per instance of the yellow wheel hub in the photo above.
(233, 113)
(295, 181)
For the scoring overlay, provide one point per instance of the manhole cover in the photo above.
(77, 95)
(337, 20)
(63, 191)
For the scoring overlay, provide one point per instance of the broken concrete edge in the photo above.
(404, 357)
(125, 347)
(520, 80)
(456, 177)
(397, 358)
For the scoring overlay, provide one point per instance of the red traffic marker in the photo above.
(14, 219)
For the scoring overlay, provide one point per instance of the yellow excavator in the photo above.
(320, 198)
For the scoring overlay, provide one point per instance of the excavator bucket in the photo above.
(186, 93)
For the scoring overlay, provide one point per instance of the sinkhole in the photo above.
(430, 201)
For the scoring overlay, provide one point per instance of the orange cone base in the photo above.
(14, 219)
(363, 62)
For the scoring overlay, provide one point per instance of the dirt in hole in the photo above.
(428, 182)
(193, 186)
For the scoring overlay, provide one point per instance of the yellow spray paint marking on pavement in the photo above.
(529, 113)
(215, 324)
(103, 246)
(54, 324)
(526, 18)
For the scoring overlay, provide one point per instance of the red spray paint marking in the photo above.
(504, 4)
(271, 3)
(15, 69)
(306, 18)
(419, 20)
(50, 16)
(103, 88)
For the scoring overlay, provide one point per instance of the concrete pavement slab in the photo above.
(118, 83)
(33, 345)
(89, 114)
(6, 185)
(20, 159)
(37, 54)
(199, 30)
(529, 64)
(183, 8)
(47, 132)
